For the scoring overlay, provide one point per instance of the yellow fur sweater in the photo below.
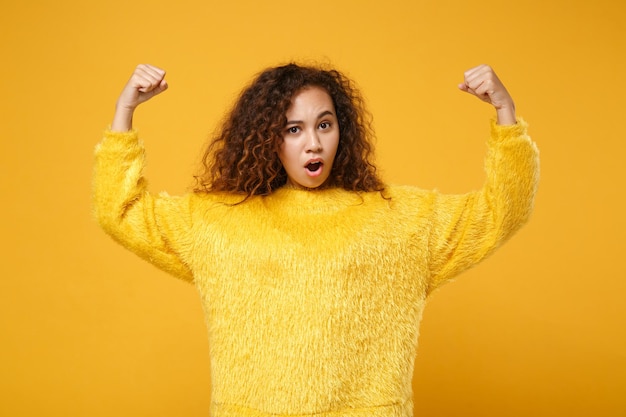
(313, 298)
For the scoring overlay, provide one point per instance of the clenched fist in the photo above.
(146, 82)
(482, 82)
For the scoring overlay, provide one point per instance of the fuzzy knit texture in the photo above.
(313, 299)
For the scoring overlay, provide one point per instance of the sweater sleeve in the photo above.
(467, 228)
(154, 227)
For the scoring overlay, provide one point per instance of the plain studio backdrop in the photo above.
(88, 329)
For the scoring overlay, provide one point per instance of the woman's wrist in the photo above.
(506, 115)
(122, 120)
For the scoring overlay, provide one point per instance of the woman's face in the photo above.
(310, 139)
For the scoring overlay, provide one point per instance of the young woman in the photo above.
(312, 272)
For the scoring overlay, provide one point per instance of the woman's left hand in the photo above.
(482, 82)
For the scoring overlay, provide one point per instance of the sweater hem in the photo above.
(398, 409)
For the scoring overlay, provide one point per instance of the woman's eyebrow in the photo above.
(322, 114)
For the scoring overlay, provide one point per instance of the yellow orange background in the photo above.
(539, 329)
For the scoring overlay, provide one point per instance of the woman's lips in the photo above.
(314, 167)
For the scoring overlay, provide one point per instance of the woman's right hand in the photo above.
(146, 82)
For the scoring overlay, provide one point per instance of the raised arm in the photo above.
(467, 228)
(154, 227)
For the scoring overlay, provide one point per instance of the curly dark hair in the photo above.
(243, 156)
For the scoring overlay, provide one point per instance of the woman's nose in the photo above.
(313, 143)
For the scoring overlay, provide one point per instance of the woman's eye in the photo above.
(293, 129)
(324, 125)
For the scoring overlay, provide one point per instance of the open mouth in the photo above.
(313, 166)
